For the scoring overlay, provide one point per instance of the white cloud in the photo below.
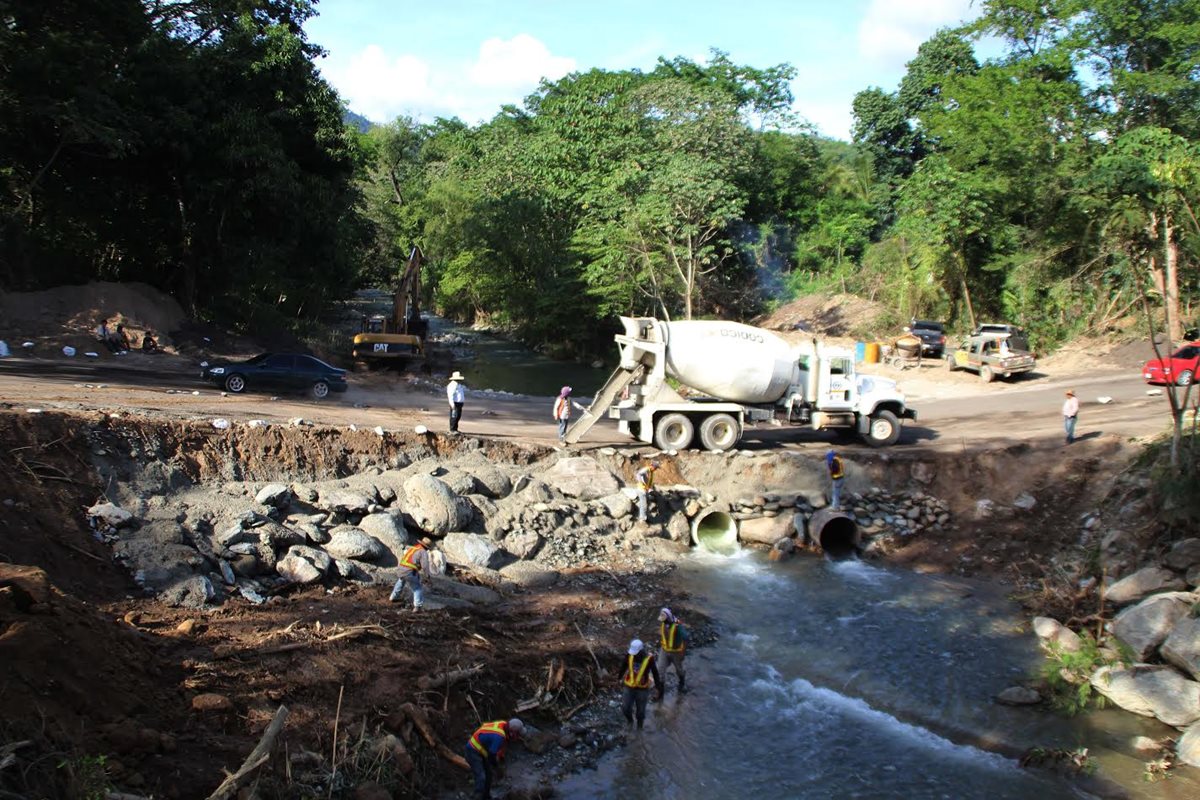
(517, 63)
(380, 86)
(892, 30)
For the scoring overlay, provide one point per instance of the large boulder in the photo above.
(344, 501)
(297, 569)
(523, 543)
(471, 550)
(388, 529)
(274, 494)
(433, 506)
(1145, 626)
(618, 505)
(479, 595)
(1184, 554)
(352, 543)
(678, 529)
(277, 535)
(1182, 647)
(765, 530)
(1151, 691)
(489, 480)
(191, 592)
(1142, 583)
(1187, 749)
(313, 555)
(530, 575)
(1052, 632)
(581, 477)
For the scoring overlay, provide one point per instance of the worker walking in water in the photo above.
(562, 412)
(486, 749)
(639, 670)
(673, 640)
(837, 474)
(414, 562)
(645, 485)
(456, 394)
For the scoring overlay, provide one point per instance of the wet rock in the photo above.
(1183, 555)
(297, 570)
(274, 494)
(523, 544)
(765, 530)
(584, 478)
(353, 543)
(530, 575)
(433, 506)
(1144, 582)
(212, 703)
(1052, 632)
(1151, 691)
(471, 550)
(618, 505)
(1019, 696)
(1187, 749)
(1182, 647)
(1145, 626)
(191, 592)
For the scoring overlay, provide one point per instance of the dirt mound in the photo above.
(839, 315)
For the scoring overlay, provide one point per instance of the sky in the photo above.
(468, 58)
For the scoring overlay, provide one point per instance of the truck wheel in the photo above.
(674, 432)
(950, 365)
(884, 430)
(986, 375)
(719, 432)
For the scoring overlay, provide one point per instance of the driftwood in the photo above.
(288, 647)
(422, 722)
(260, 755)
(601, 671)
(6, 752)
(425, 682)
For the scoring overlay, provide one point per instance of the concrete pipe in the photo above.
(835, 532)
(715, 531)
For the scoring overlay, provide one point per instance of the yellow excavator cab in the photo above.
(402, 337)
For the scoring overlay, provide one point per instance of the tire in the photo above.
(884, 430)
(986, 374)
(719, 432)
(950, 365)
(235, 384)
(1184, 378)
(674, 432)
(320, 390)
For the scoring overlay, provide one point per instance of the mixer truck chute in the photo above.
(739, 375)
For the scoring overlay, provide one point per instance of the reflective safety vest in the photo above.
(638, 678)
(499, 728)
(835, 468)
(645, 479)
(410, 558)
(670, 635)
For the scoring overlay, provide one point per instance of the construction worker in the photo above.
(456, 395)
(485, 750)
(837, 474)
(638, 670)
(562, 412)
(674, 638)
(414, 561)
(645, 485)
(1070, 411)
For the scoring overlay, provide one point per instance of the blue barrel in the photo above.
(860, 352)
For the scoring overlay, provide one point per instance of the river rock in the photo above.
(1147, 581)
(1025, 502)
(765, 530)
(344, 502)
(387, 528)
(235, 534)
(923, 472)
(1183, 555)
(584, 478)
(315, 534)
(274, 494)
(618, 505)
(1052, 632)
(1019, 696)
(191, 592)
(110, 515)
(1187, 749)
(313, 555)
(529, 575)
(277, 535)
(678, 529)
(491, 482)
(1182, 647)
(1151, 690)
(471, 550)
(353, 543)
(1145, 626)
(479, 595)
(433, 506)
(297, 570)
(523, 544)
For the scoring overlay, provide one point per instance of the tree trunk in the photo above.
(967, 297)
(1171, 284)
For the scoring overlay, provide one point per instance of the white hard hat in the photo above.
(516, 726)
(635, 647)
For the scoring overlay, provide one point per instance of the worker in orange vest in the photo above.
(639, 668)
(837, 474)
(562, 412)
(486, 749)
(674, 638)
(414, 561)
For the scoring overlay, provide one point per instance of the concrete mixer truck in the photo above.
(737, 375)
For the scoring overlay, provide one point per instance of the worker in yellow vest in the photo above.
(486, 749)
(637, 672)
(414, 562)
(645, 485)
(837, 474)
(674, 638)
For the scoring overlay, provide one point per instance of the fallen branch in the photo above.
(601, 670)
(572, 712)
(288, 647)
(260, 755)
(422, 722)
(450, 678)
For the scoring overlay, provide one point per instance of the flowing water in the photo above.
(841, 679)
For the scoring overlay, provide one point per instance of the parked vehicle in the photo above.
(1017, 339)
(1178, 368)
(278, 372)
(932, 336)
(991, 355)
(740, 375)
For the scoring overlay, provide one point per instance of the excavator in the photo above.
(401, 338)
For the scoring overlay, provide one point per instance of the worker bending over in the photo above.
(414, 562)
(486, 749)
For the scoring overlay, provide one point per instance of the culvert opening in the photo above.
(716, 532)
(835, 532)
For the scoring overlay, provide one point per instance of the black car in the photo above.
(278, 372)
(932, 336)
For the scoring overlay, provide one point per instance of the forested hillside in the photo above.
(193, 145)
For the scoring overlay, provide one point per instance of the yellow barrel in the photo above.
(871, 356)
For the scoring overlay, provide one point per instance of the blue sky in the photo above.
(467, 58)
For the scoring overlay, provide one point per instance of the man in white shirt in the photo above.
(1070, 411)
(456, 394)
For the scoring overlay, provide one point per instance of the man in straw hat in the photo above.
(414, 562)
(1070, 412)
(456, 394)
